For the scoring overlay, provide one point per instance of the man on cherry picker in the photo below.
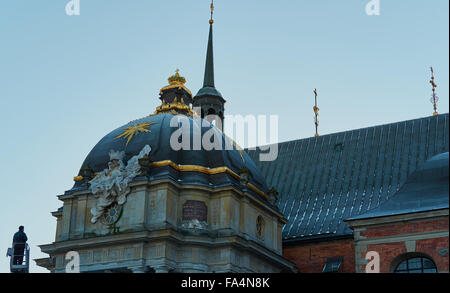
(19, 242)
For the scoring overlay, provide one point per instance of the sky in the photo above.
(67, 81)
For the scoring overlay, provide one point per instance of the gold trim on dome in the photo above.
(208, 171)
(238, 148)
(176, 86)
(175, 107)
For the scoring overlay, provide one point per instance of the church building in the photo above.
(380, 189)
(327, 202)
(138, 205)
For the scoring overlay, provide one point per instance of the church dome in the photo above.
(198, 166)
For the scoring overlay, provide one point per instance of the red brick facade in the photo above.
(397, 238)
(311, 257)
(394, 242)
(402, 228)
(425, 239)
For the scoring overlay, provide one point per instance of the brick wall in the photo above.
(311, 257)
(403, 228)
(426, 237)
(432, 247)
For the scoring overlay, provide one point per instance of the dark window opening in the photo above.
(416, 265)
(333, 264)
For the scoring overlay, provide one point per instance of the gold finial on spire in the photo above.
(316, 113)
(176, 81)
(176, 78)
(434, 97)
(211, 21)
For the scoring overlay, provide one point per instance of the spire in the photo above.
(316, 113)
(434, 98)
(208, 98)
(211, 21)
(209, 68)
(209, 87)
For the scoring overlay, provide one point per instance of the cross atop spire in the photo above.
(208, 81)
(316, 113)
(211, 21)
(434, 97)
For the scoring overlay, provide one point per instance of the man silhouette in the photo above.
(19, 241)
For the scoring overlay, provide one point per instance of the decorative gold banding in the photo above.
(259, 192)
(175, 107)
(175, 86)
(208, 171)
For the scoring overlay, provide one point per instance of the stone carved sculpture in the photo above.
(195, 224)
(111, 184)
(244, 176)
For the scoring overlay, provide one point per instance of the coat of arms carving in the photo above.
(111, 185)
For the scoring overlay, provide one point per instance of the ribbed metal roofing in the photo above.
(322, 181)
(425, 190)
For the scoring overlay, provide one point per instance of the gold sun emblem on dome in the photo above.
(131, 131)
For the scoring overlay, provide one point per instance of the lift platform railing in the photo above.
(19, 263)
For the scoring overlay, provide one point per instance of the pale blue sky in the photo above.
(65, 82)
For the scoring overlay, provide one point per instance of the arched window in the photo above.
(415, 264)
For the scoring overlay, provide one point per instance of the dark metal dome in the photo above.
(158, 138)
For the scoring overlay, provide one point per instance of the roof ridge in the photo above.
(357, 129)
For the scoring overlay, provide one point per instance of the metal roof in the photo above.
(323, 180)
(159, 139)
(425, 190)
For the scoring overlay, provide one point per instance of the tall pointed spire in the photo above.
(209, 68)
(208, 98)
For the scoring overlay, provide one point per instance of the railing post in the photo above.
(27, 251)
(11, 259)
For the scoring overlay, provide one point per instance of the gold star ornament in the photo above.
(131, 131)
